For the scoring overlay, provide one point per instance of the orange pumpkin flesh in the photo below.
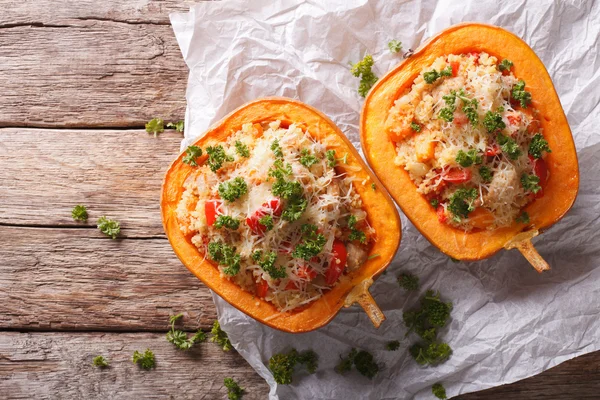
(561, 188)
(352, 287)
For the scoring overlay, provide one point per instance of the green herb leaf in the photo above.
(493, 121)
(100, 362)
(268, 265)
(363, 69)
(311, 245)
(462, 203)
(415, 127)
(225, 255)
(538, 145)
(408, 282)
(485, 173)
(234, 391)
(509, 146)
(519, 94)
(145, 360)
(276, 149)
(438, 389)
(109, 227)
(307, 159)
(266, 221)
(216, 157)
(430, 354)
(469, 158)
(431, 76)
(155, 126)
(434, 203)
(393, 345)
(331, 161)
(227, 222)
(79, 213)
(242, 149)
(523, 218)
(233, 189)
(395, 46)
(531, 183)
(505, 65)
(191, 154)
(219, 336)
(282, 365)
(178, 126)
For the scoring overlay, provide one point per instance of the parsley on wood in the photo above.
(179, 338)
(178, 126)
(145, 360)
(234, 391)
(219, 336)
(100, 362)
(109, 227)
(79, 213)
(155, 126)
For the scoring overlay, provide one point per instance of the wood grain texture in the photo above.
(89, 64)
(59, 366)
(73, 279)
(44, 173)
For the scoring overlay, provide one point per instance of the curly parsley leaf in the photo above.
(393, 345)
(307, 159)
(233, 189)
(227, 222)
(523, 218)
(469, 158)
(538, 145)
(346, 363)
(79, 213)
(531, 183)
(355, 234)
(282, 365)
(312, 243)
(242, 149)
(493, 121)
(145, 360)
(109, 227)
(191, 154)
(430, 354)
(462, 203)
(234, 391)
(509, 146)
(276, 148)
(179, 338)
(431, 76)
(219, 336)
(155, 126)
(434, 203)
(100, 362)
(486, 173)
(331, 160)
(505, 65)
(395, 46)
(520, 94)
(438, 389)
(365, 364)
(216, 157)
(266, 221)
(178, 126)
(408, 281)
(447, 113)
(469, 107)
(363, 70)
(415, 127)
(268, 265)
(225, 255)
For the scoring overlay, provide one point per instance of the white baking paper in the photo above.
(508, 321)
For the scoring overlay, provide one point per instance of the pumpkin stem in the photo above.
(360, 294)
(522, 242)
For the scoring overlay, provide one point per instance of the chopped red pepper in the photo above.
(514, 119)
(212, 208)
(454, 66)
(338, 262)
(540, 169)
(306, 272)
(493, 151)
(441, 214)
(271, 207)
(261, 288)
(457, 175)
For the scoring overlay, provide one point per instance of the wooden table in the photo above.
(79, 80)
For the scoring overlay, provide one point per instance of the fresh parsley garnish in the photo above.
(225, 255)
(178, 126)
(408, 282)
(145, 360)
(523, 218)
(155, 126)
(469, 158)
(307, 159)
(179, 338)
(393, 345)
(486, 173)
(331, 161)
(531, 183)
(267, 263)
(216, 157)
(312, 243)
(276, 148)
(266, 221)
(395, 46)
(415, 127)
(355, 234)
(234, 391)
(109, 227)
(509, 146)
(100, 362)
(79, 213)
(434, 203)
(538, 145)
(191, 154)
(219, 336)
(242, 149)
(438, 389)
(432, 76)
(362, 360)
(469, 107)
(520, 94)
(462, 203)
(447, 113)
(282, 365)
(505, 65)
(292, 191)
(363, 70)
(227, 222)
(493, 121)
(233, 189)
(430, 353)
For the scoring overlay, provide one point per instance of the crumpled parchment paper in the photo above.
(508, 321)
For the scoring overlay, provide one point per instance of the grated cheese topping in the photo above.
(433, 122)
(333, 209)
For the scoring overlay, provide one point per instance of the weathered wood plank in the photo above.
(71, 279)
(45, 173)
(89, 73)
(59, 366)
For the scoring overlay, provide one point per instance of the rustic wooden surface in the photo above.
(66, 292)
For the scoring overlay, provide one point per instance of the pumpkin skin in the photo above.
(382, 216)
(562, 185)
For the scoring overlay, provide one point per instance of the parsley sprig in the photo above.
(191, 155)
(219, 336)
(234, 391)
(362, 360)
(531, 183)
(363, 70)
(179, 338)
(355, 234)
(462, 203)
(145, 360)
(155, 126)
(395, 46)
(312, 243)
(225, 255)
(242, 149)
(493, 120)
(267, 263)
(216, 157)
(283, 365)
(100, 362)
(520, 94)
(469, 158)
(432, 76)
(227, 222)
(538, 145)
(408, 282)
(509, 146)
(109, 227)
(233, 189)
(307, 159)
(505, 65)
(79, 213)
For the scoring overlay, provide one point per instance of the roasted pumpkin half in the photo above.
(469, 136)
(274, 210)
